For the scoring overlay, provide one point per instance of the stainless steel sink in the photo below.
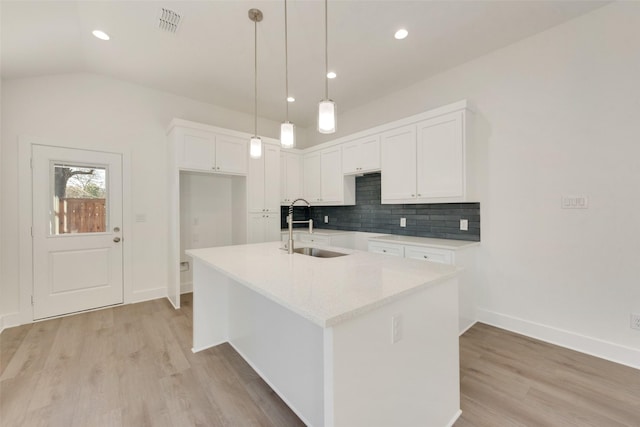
(318, 253)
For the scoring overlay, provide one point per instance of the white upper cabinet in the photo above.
(197, 151)
(331, 177)
(201, 150)
(231, 154)
(440, 157)
(290, 177)
(427, 162)
(312, 185)
(399, 164)
(264, 175)
(324, 182)
(361, 155)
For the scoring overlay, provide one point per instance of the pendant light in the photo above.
(255, 144)
(326, 107)
(287, 129)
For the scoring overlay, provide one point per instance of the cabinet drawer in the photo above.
(312, 238)
(386, 248)
(443, 256)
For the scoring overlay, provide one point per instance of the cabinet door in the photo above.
(256, 184)
(197, 151)
(331, 177)
(271, 156)
(398, 157)
(312, 189)
(351, 157)
(283, 179)
(370, 153)
(441, 157)
(255, 228)
(294, 177)
(231, 154)
(361, 155)
(291, 180)
(272, 231)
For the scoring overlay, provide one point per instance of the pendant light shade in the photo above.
(287, 129)
(255, 144)
(327, 113)
(327, 116)
(287, 134)
(255, 147)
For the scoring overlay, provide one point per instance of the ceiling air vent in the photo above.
(169, 20)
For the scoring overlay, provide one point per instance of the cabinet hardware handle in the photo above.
(419, 195)
(413, 195)
(116, 239)
(426, 257)
(384, 250)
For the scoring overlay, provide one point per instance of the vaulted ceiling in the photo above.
(210, 57)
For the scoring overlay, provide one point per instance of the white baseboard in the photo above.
(186, 288)
(148, 295)
(455, 417)
(595, 347)
(466, 327)
(10, 320)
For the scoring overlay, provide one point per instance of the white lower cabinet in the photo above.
(464, 257)
(387, 249)
(315, 239)
(263, 227)
(443, 256)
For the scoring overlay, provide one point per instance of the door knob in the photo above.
(116, 239)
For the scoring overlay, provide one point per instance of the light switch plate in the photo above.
(403, 222)
(464, 224)
(326, 219)
(575, 202)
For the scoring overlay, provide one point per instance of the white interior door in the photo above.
(77, 235)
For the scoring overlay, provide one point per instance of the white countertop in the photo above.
(325, 291)
(424, 241)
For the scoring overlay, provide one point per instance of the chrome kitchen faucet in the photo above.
(291, 222)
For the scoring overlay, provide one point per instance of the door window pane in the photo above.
(79, 199)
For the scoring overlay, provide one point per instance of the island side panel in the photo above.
(284, 348)
(210, 306)
(370, 381)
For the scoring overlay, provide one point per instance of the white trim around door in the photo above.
(25, 210)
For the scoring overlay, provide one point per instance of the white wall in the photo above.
(557, 114)
(93, 111)
(1, 235)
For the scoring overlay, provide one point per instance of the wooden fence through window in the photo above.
(82, 215)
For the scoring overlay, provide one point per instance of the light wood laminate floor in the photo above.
(132, 366)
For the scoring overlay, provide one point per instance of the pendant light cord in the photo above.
(286, 60)
(326, 52)
(255, 68)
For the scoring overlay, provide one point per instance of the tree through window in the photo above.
(79, 199)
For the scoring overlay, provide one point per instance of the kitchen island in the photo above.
(357, 340)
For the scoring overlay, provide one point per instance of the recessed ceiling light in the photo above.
(401, 34)
(331, 75)
(291, 99)
(100, 34)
